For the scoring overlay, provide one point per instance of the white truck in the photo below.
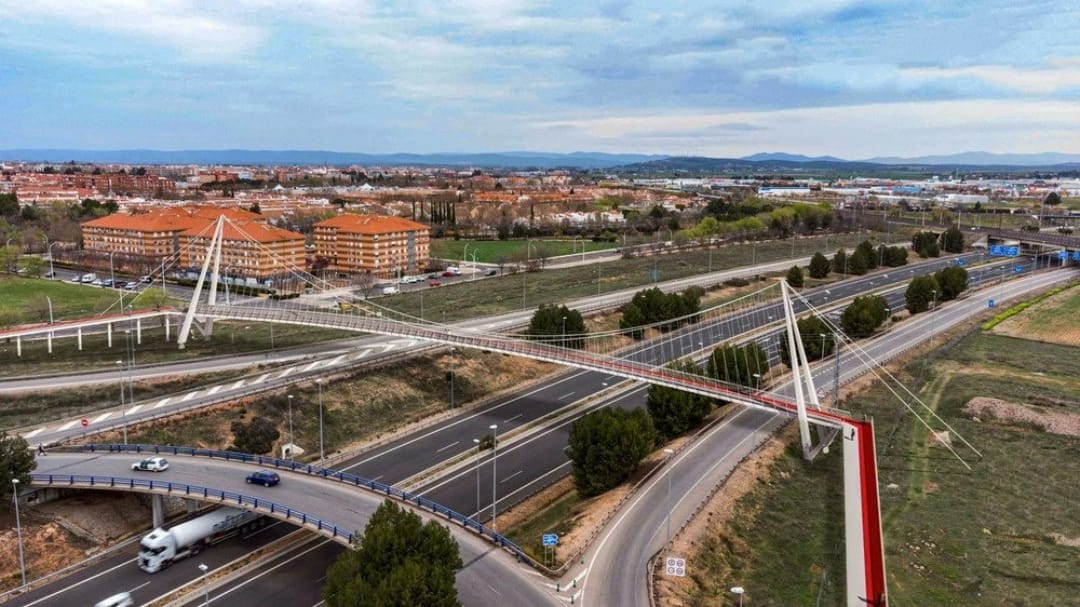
(161, 547)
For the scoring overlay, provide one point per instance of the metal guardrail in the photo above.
(197, 491)
(262, 460)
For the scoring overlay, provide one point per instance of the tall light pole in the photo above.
(933, 308)
(494, 477)
(292, 443)
(18, 529)
(112, 277)
(478, 452)
(52, 272)
(739, 591)
(667, 454)
(206, 584)
(453, 359)
(123, 412)
(322, 455)
(564, 331)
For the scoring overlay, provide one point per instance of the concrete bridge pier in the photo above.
(157, 508)
(78, 333)
(18, 347)
(167, 328)
(192, 506)
(48, 341)
(138, 331)
(108, 332)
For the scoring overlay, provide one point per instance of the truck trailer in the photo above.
(161, 547)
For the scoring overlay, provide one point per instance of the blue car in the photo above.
(266, 478)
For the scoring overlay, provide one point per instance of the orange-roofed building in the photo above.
(375, 244)
(144, 240)
(248, 249)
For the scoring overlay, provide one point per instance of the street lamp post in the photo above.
(453, 361)
(322, 454)
(494, 476)
(18, 529)
(478, 452)
(292, 444)
(564, 331)
(667, 454)
(738, 591)
(933, 308)
(52, 272)
(123, 412)
(206, 584)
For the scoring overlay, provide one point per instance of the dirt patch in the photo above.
(1055, 422)
(1066, 541)
(47, 547)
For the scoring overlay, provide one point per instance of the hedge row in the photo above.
(1020, 307)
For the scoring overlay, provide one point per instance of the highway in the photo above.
(616, 565)
(522, 468)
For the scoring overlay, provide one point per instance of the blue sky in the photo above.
(720, 78)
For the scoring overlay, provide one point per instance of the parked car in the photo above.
(131, 286)
(97, 282)
(490, 272)
(108, 282)
(434, 283)
(49, 274)
(151, 464)
(266, 478)
(448, 274)
(147, 279)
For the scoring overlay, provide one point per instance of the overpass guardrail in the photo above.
(283, 464)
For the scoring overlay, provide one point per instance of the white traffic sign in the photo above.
(675, 566)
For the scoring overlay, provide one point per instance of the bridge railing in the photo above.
(194, 491)
(328, 473)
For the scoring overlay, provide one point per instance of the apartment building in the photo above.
(181, 235)
(375, 244)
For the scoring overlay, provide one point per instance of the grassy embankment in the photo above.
(1004, 533)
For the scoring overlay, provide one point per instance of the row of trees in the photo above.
(930, 244)
(668, 311)
(558, 324)
(943, 285)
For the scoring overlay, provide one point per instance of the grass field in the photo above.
(492, 251)
(467, 299)
(22, 300)
(1004, 533)
(1056, 320)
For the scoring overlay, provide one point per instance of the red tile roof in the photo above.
(370, 224)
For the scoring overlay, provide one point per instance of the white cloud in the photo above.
(1062, 74)
(194, 33)
(861, 131)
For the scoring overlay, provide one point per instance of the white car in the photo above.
(151, 464)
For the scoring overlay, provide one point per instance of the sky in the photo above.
(721, 78)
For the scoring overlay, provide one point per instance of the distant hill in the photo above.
(781, 156)
(780, 164)
(1044, 159)
(523, 160)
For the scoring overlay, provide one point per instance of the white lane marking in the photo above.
(100, 418)
(33, 433)
(188, 396)
(506, 478)
(213, 390)
(567, 395)
(163, 402)
(261, 378)
(46, 598)
(286, 372)
(507, 421)
(255, 578)
(447, 447)
(362, 354)
(133, 409)
(67, 426)
(311, 366)
(336, 360)
(237, 384)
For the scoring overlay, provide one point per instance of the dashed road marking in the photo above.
(163, 402)
(101, 418)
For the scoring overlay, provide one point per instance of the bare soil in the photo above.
(1056, 422)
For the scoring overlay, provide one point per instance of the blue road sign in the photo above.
(1076, 255)
(1001, 250)
(1018, 270)
(960, 262)
(1063, 255)
(990, 304)
(551, 539)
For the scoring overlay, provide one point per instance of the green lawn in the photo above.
(466, 299)
(23, 300)
(492, 251)
(952, 536)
